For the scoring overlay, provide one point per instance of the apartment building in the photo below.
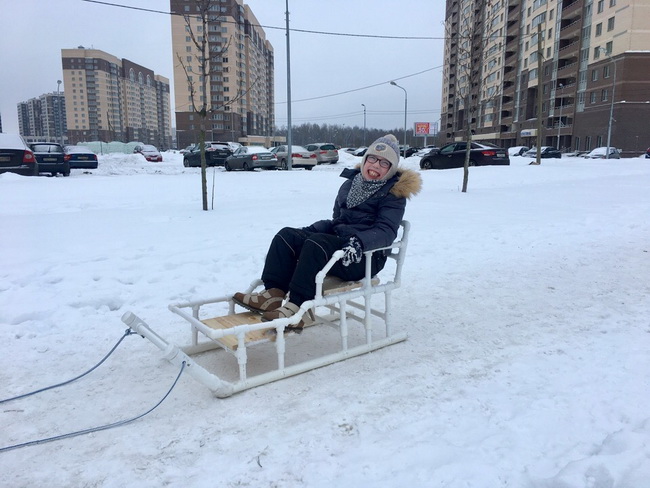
(581, 64)
(240, 96)
(113, 99)
(43, 118)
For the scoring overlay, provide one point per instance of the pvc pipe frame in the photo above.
(221, 388)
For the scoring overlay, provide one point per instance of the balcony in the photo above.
(570, 27)
(571, 7)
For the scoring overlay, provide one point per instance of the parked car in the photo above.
(250, 157)
(600, 153)
(453, 156)
(325, 152)
(575, 154)
(16, 156)
(80, 157)
(546, 153)
(517, 150)
(300, 157)
(360, 151)
(187, 149)
(149, 152)
(425, 150)
(216, 154)
(412, 151)
(51, 158)
(647, 153)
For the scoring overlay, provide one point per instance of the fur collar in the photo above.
(408, 184)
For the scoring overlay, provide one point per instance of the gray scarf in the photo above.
(362, 189)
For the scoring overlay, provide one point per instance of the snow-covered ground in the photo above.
(525, 300)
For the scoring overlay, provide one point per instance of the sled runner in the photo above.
(337, 304)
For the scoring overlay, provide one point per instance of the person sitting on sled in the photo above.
(367, 213)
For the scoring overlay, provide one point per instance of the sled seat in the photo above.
(334, 284)
(337, 303)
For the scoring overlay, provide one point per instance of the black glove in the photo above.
(353, 252)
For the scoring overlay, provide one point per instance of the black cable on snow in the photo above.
(126, 333)
(95, 429)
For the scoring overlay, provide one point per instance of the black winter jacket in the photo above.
(375, 221)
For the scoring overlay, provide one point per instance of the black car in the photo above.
(453, 156)
(216, 154)
(411, 151)
(51, 158)
(16, 156)
(647, 153)
(80, 157)
(547, 152)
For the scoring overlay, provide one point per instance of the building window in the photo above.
(606, 72)
(612, 3)
(596, 52)
(601, 5)
(604, 95)
(610, 24)
(599, 29)
(592, 97)
(609, 47)
(594, 75)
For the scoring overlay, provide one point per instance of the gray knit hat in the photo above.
(386, 147)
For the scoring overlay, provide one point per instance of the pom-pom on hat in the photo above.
(386, 147)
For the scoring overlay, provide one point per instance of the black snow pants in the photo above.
(295, 257)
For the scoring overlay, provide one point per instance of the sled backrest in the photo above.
(328, 285)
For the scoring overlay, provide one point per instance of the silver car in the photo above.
(325, 152)
(250, 157)
(300, 157)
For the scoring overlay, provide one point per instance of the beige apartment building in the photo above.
(113, 99)
(240, 89)
(583, 64)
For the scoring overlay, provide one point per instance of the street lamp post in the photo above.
(611, 105)
(405, 111)
(289, 136)
(364, 123)
(559, 121)
(58, 114)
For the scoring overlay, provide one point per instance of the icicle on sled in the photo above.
(336, 304)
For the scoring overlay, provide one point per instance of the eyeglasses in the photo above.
(382, 162)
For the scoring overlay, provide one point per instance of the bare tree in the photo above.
(473, 91)
(205, 53)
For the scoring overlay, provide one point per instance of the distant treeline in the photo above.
(346, 136)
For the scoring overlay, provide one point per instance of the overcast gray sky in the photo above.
(35, 31)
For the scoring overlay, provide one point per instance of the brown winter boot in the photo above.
(289, 310)
(264, 301)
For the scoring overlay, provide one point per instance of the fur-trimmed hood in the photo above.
(409, 182)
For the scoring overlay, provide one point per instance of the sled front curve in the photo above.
(336, 304)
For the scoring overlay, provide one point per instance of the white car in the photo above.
(300, 157)
(517, 150)
(600, 153)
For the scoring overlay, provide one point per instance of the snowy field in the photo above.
(526, 301)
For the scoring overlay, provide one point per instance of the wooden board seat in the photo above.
(334, 284)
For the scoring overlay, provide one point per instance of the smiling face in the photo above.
(375, 168)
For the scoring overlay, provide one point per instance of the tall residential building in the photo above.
(112, 99)
(43, 118)
(241, 99)
(583, 63)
